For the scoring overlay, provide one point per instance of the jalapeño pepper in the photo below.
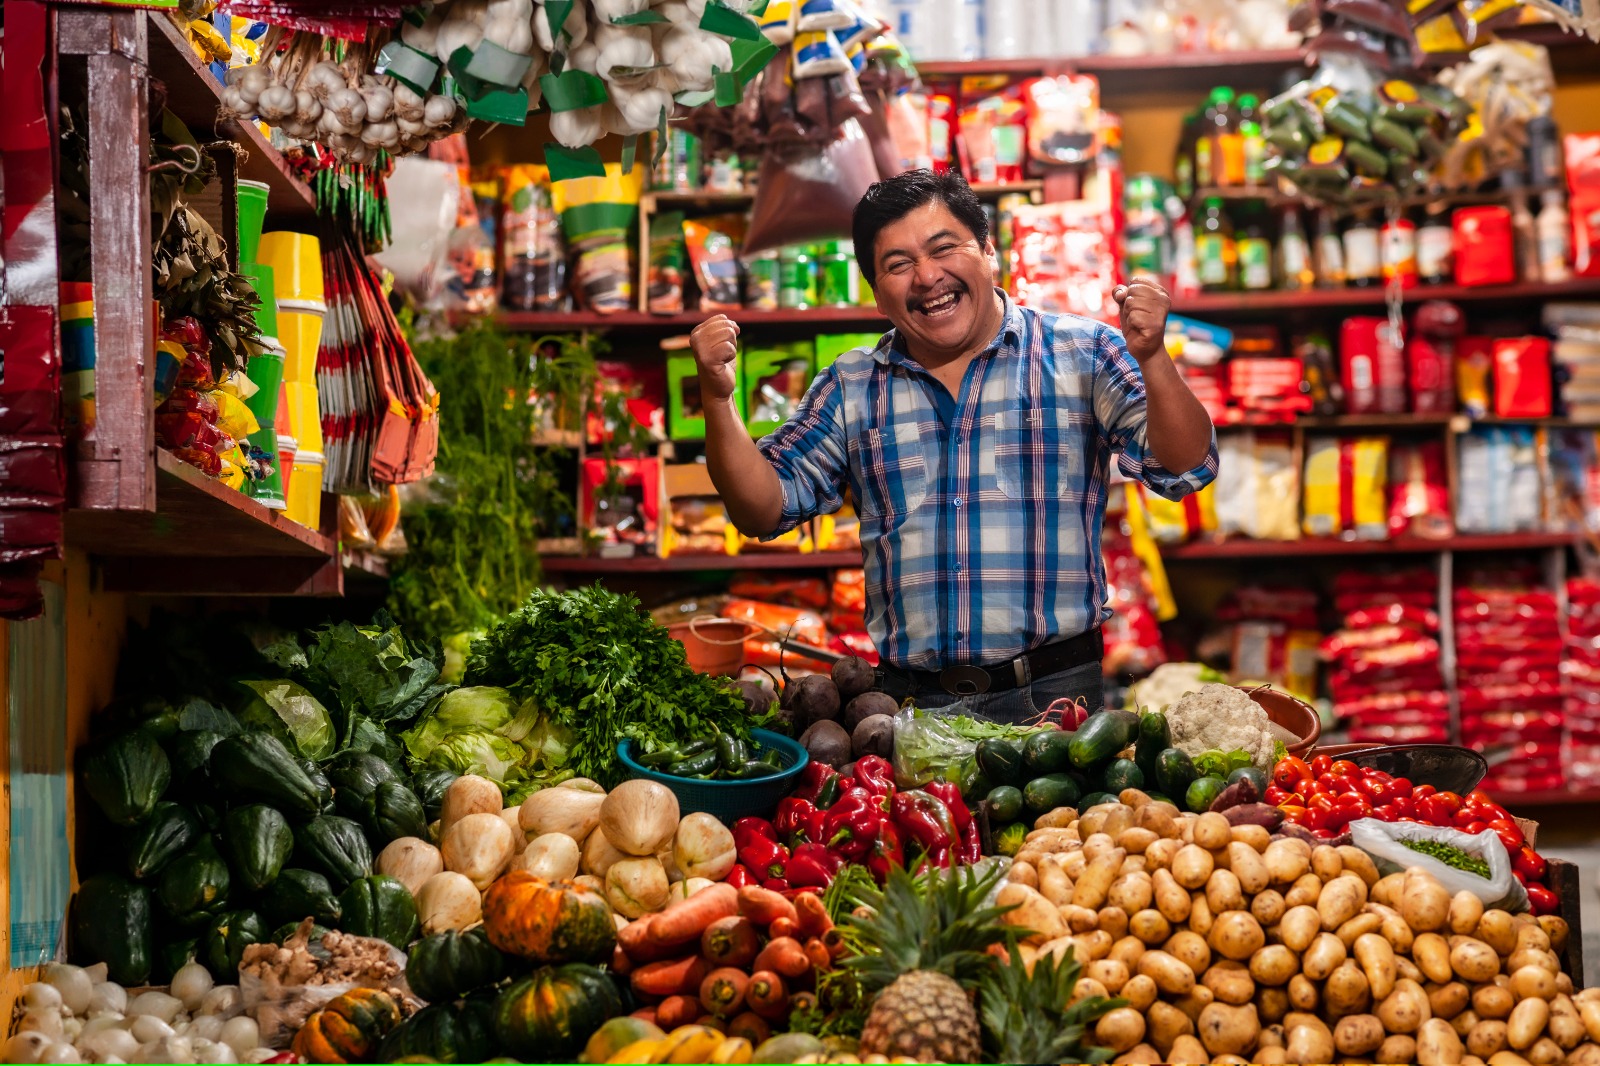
(674, 752)
(732, 753)
(695, 766)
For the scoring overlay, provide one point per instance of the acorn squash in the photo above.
(549, 1015)
(349, 1028)
(448, 965)
(548, 921)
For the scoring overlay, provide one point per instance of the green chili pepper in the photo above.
(694, 766)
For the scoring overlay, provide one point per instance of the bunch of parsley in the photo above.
(594, 661)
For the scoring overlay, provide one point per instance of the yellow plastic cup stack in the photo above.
(300, 333)
(296, 262)
(305, 414)
(305, 489)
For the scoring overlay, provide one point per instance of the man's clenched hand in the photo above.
(715, 345)
(1144, 306)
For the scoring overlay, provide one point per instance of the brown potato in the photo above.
(1466, 911)
(1462, 1023)
(1135, 798)
(1169, 973)
(1324, 955)
(1397, 1047)
(1128, 951)
(1346, 990)
(1271, 1036)
(1285, 862)
(1507, 1058)
(1533, 982)
(1274, 965)
(1326, 863)
(1095, 944)
(1474, 961)
(1090, 890)
(1359, 863)
(1437, 1044)
(1086, 988)
(1358, 1034)
(1160, 818)
(1299, 927)
(1230, 1030)
(1424, 903)
(1131, 892)
(1432, 956)
(1135, 839)
(1308, 1039)
(1556, 929)
(1109, 972)
(1565, 1026)
(1268, 907)
(1054, 884)
(1113, 921)
(1192, 865)
(1545, 1052)
(1544, 960)
(1497, 930)
(1195, 1002)
(1387, 890)
(1201, 916)
(1303, 994)
(1527, 1022)
(1342, 899)
(1404, 1009)
(1138, 1055)
(1165, 1024)
(1149, 926)
(1223, 892)
(1394, 928)
(1531, 937)
(1357, 927)
(1024, 874)
(1212, 832)
(1158, 856)
(1408, 969)
(1493, 1002)
(1170, 898)
(1230, 983)
(1377, 962)
(1187, 1050)
(1236, 935)
(1255, 837)
(1120, 1029)
(1584, 1055)
(1140, 992)
(1271, 1004)
(1486, 1038)
(1190, 948)
(1447, 1000)
(1079, 919)
(1306, 889)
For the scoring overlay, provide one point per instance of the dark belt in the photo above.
(1041, 662)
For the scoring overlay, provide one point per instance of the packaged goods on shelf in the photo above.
(668, 264)
(696, 521)
(1572, 480)
(1268, 634)
(1372, 366)
(1384, 672)
(1180, 521)
(1576, 356)
(1257, 486)
(1497, 483)
(1583, 183)
(1522, 385)
(596, 214)
(1136, 590)
(1345, 487)
(1580, 669)
(619, 503)
(1063, 259)
(1419, 492)
(642, 386)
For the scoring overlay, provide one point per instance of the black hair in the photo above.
(894, 198)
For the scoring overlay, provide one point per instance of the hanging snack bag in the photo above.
(596, 214)
(533, 254)
(667, 264)
(713, 244)
(777, 21)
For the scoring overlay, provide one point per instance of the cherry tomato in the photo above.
(1451, 801)
(1343, 768)
(1521, 877)
(1422, 791)
(1542, 900)
(1402, 784)
(1530, 863)
(1508, 833)
(1372, 788)
(1274, 795)
(1289, 772)
(1295, 813)
(1433, 811)
(1478, 797)
(1465, 817)
(1319, 765)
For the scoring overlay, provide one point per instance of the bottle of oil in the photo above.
(1216, 254)
(1294, 252)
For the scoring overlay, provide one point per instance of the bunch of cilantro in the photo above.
(592, 660)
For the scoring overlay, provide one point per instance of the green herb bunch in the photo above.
(594, 661)
(1450, 855)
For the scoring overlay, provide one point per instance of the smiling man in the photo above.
(975, 439)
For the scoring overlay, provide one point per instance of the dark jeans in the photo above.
(1013, 706)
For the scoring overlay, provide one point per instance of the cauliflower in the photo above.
(1223, 718)
(1167, 683)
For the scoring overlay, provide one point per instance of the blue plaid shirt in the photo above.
(980, 513)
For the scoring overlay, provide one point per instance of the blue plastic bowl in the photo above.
(730, 800)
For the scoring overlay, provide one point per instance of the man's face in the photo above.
(935, 280)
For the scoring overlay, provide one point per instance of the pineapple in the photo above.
(922, 953)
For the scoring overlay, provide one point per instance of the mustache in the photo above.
(917, 303)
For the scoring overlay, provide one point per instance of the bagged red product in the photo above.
(809, 592)
(1522, 385)
(1064, 259)
(1419, 492)
(1583, 205)
(1485, 251)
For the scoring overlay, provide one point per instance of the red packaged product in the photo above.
(1372, 367)
(1522, 386)
(1419, 492)
(1485, 252)
(791, 591)
(1583, 204)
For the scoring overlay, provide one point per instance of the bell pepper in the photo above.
(798, 822)
(775, 884)
(740, 876)
(970, 848)
(748, 829)
(923, 819)
(813, 866)
(765, 858)
(939, 857)
(812, 778)
(875, 774)
(853, 825)
(886, 852)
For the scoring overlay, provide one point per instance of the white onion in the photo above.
(147, 1028)
(213, 1051)
(47, 1022)
(173, 1049)
(24, 1047)
(61, 1052)
(108, 997)
(241, 1034)
(109, 1043)
(156, 1004)
(190, 985)
(73, 984)
(206, 1027)
(223, 1000)
(42, 996)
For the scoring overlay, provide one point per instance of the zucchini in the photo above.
(393, 812)
(113, 922)
(1046, 753)
(300, 894)
(1123, 774)
(1045, 794)
(170, 830)
(257, 841)
(1174, 772)
(1005, 804)
(1154, 738)
(256, 767)
(379, 907)
(222, 945)
(1203, 792)
(334, 846)
(1102, 737)
(194, 887)
(126, 776)
(1001, 761)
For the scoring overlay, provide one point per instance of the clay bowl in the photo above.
(1295, 715)
(1447, 767)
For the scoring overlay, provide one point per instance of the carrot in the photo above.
(730, 942)
(833, 940)
(621, 965)
(684, 921)
(764, 906)
(803, 1001)
(677, 1010)
(645, 1014)
(750, 1026)
(722, 992)
(671, 977)
(818, 954)
(784, 927)
(784, 956)
(712, 1023)
(767, 996)
(814, 920)
(635, 939)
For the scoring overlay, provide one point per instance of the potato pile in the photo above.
(1232, 947)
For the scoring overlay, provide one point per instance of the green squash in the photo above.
(190, 754)
(356, 775)
(431, 785)
(549, 1015)
(300, 894)
(447, 966)
(256, 767)
(257, 841)
(222, 944)
(169, 831)
(113, 921)
(334, 846)
(394, 812)
(319, 780)
(443, 1032)
(379, 906)
(126, 775)
(194, 887)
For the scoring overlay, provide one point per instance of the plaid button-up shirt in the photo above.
(980, 513)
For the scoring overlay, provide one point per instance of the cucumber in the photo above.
(1203, 792)
(1154, 738)
(1094, 799)
(1102, 737)
(1005, 804)
(1123, 774)
(1255, 776)
(1001, 761)
(1174, 772)
(1045, 794)
(1046, 753)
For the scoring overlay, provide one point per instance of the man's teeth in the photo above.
(943, 301)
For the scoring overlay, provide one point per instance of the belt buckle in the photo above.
(964, 680)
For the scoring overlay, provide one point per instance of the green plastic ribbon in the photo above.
(571, 90)
(726, 87)
(565, 163)
(640, 18)
(751, 58)
(630, 148)
(661, 140)
(721, 19)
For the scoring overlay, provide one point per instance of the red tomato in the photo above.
(1372, 788)
(1319, 765)
(1388, 813)
(1343, 767)
(1543, 900)
(1509, 834)
(1327, 783)
(1474, 828)
(1289, 772)
(1403, 784)
(1478, 797)
(1274, 795)
(1293, 799)
(1465, 817)
(1530, 863)
(1451, 800)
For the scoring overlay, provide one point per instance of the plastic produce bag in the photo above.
(927, 747)
(807, 194)
(1382, 840)
(282, 987)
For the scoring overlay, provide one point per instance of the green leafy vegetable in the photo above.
(288, 710)
(373, 671)
(1216, 763)
(1450, 855)
(482, 730)
(592, 661)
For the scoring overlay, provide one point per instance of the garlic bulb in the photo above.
(577, 128)
(440, 111)
(408, 105)
(325, 78)
(276, 103)
(380, 100)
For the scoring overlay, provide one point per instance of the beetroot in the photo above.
(827, 742)
(816, 699)
(758, 698)
(866, 705)
(853, 675)
(874, 736)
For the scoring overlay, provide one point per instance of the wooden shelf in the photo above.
(706, 198)
(866, 318)
(1120, 75)
(1273, 301)
(1311, 546)
(194, 95)
(364, 564)
(1372, 423)
(678, 564)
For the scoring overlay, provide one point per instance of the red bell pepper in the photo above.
(765, 858)
(812, 779)
(813, 866)
(798, 822)
(969, 849)
(939, 857)
(740, 876)
(748, 829)
(924, 820)
(887, 852)
(776, 884)
(853, 825)
(875, 774)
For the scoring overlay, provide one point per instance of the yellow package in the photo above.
(1144, 546)
(1346, 487)
(777, 21)
(233, 417)
(1257, 487)
(1175, 522)
(1474, 362)
(595, 216)
(233, 464)
(1441, 36)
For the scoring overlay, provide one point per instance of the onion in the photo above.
(108, 997)
(147, 1028)
(224, 1001)
(156, 1004)
(47, 1021)
(109, 1043)
(214, 1051)
(190, 984)
(42, 996)
(73, 984)
(25, 1047)
(241, 1034)
(62, 1052)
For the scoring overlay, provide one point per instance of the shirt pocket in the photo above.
(1038, 455)
(893, 473)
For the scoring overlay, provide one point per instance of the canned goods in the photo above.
(839, 276)
(797, 279)
(761, 282)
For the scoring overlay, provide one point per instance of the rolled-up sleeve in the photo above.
(1120, 408)
(808, 453)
